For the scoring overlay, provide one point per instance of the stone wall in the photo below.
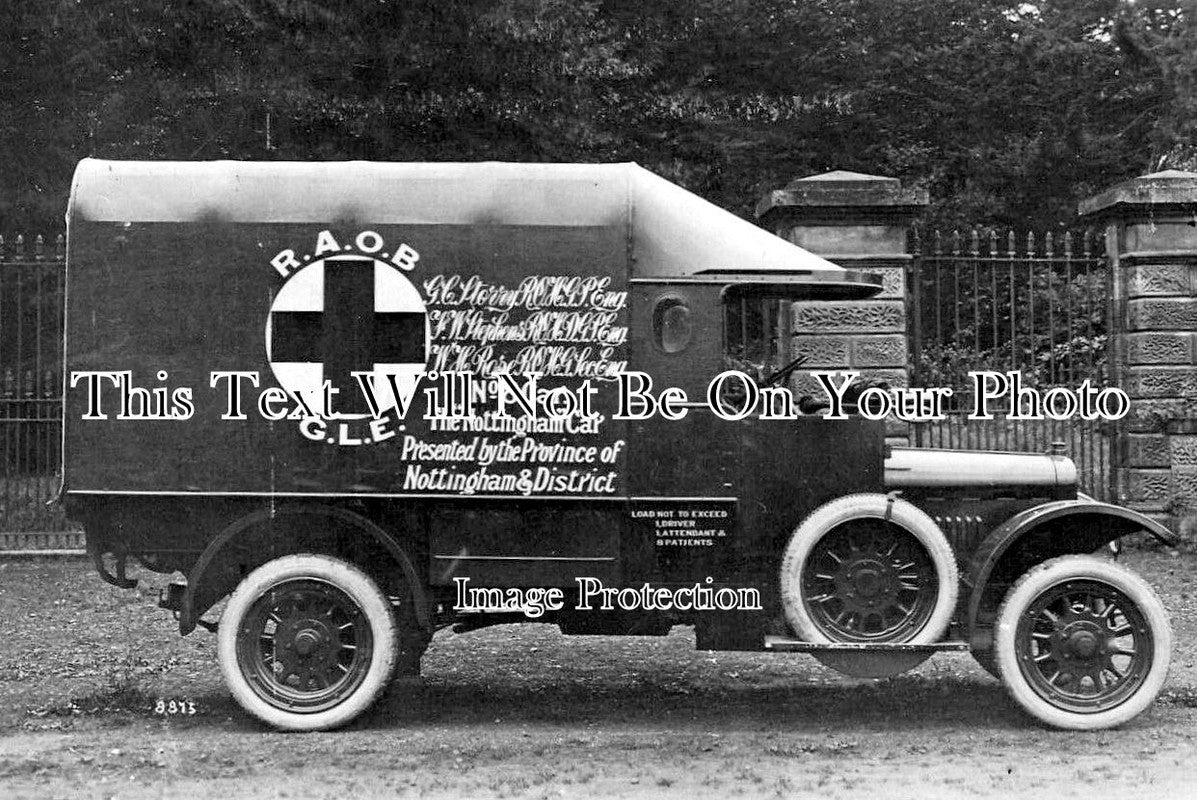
(859, 222)
(1151, 236)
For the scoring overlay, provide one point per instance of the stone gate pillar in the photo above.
(859, 222)
(1151, 237)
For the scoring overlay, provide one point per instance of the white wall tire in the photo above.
(1082, 643)
(868, 568)
(307, 642)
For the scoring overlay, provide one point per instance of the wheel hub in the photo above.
(1082, 641)
(312, 641)
(306, 641)
(868, 582)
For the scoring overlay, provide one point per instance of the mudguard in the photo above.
(1108, 522)
(187, 614)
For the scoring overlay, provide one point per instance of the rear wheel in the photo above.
(1083, 643)
(307, 642)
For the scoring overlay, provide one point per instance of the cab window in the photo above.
(757, 336)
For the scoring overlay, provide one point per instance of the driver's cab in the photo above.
(770, 472)
(685, 333)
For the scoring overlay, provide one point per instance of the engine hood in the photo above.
(909, 467)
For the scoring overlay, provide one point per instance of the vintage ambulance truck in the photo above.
(364, 402)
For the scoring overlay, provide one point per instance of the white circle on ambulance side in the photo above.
(346, 314)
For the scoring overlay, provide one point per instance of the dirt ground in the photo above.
(522, 711)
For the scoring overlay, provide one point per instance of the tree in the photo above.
(1008, 112)
(1160, 44)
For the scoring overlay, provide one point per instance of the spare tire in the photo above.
(869, 569)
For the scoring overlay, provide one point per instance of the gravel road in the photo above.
(522, 711)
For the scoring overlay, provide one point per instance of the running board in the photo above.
(784, 644)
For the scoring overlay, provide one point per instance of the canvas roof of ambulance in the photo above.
(673, 233)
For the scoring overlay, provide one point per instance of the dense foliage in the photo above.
(1008, 111)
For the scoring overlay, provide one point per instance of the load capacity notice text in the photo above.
(691, 526)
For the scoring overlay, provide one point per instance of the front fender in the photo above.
(1101, 523)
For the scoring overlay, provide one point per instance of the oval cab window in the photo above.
(671, 324)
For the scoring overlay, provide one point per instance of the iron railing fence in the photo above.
(1007, 302)
(31, 331)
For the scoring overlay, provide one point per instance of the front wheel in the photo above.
(1082, 643)
(307, 642)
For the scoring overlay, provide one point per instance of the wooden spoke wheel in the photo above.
(307, 642)
(1082, 643)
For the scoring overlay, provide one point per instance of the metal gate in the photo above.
(984, 301)
(31, 331)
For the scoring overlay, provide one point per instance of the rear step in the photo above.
(785, 644)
